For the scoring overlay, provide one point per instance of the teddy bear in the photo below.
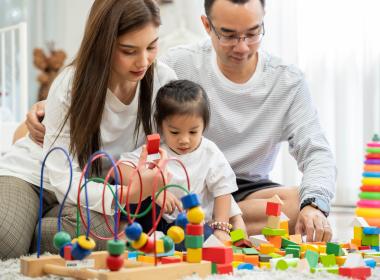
(49, 64)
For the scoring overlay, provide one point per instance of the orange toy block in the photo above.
(225, 268)
(145, 259)
(218, 254)
(266, 248)
(273, 222)
(275, 240)
(273, 209)
(252, 259)
(238, 257)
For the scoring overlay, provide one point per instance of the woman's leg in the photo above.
(69, 224)
(19, 205)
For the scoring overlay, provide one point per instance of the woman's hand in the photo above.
(33, 121)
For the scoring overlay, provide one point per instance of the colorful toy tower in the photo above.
(368, 206)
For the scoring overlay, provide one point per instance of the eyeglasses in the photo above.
(232, 40)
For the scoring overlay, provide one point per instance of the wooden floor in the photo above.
(340, 220)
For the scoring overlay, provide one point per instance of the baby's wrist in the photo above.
(222, 226)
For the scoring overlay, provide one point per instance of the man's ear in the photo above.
(206, 24)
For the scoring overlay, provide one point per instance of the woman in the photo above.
(102, 101)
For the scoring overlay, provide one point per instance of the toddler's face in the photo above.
(183, 133)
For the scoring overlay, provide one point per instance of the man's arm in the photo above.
(309, 147)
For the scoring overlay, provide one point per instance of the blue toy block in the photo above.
(191, 200)
(371, 230)
(370, 262)
(247, 266)
(133, 231)
(376, 248)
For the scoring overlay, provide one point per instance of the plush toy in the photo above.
(49, 65)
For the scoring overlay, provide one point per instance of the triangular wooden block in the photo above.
(276, 199)
(359, 222)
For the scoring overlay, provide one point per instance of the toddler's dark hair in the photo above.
(181, 97)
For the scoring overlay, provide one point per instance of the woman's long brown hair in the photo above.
(108, 20)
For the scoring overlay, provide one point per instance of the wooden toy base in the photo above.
(36, 267)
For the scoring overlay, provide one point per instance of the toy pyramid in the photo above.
(368, 206)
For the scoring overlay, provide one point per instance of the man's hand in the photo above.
(33, 121)
(171, 202)
(312, 222)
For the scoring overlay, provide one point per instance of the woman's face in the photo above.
(135, 52)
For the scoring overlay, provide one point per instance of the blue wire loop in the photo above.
(41, 195)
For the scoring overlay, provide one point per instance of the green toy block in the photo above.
(273, 232)
(331, 269)
(366, 239)
(294, 247)
(250, 251)
(237, 235)
(328, 260)
(333, 248)
(294, 251)
(275, 255)
(285, 243)
(237, 250)
(312, 258)
(194, 241)
(375, 240)
(213, 268)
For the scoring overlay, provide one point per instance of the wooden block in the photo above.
(312, 258)
(328, 260)
(273, 232)
(194, 255)
(167, 272)
(333, 248)
(250, 251)
(293, 251)
(296, 238)
(286, 242)
(264, 265)
(145, 259)
(358, 232)
(285, 225)
(237, 235)
(275, 240)
(244, 243)
(238, 257)
(273, 222)
(194, 229)
(235, 264)
(273, 209)
(224, 268)
(355, 272)
(153, 143)
(160, 246)
(252, 259)
(266, 248)
(218, 254)
(169, 259)
(276, 199)
(193, 241)
(340, 260)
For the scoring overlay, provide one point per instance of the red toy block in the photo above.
(153, 143)
(273, 209)
(166, 260)
(362, 248)
(244, 243)
(192, 229)
(219, 255)
(355, 272)
(67, 253)
(225, 268)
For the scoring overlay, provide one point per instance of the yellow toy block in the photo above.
(194, 255)
(312, 247)
(264, 265)
(160, 246)
(145, 259)
(340, 260)
(238, 257)
(235, 264)
(358, 233)
(273, 222)
(178, 254)
(296, 238)
(195, 215)
(267, 248)
(285, 225)
(303, 247)
(322, 249)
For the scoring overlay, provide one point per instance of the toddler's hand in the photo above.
(171, 202)
(222, 235)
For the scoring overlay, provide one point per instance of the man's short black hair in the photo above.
(209, 3)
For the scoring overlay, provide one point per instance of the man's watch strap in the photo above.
(317, 204)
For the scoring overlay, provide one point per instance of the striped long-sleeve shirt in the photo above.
(250, 120)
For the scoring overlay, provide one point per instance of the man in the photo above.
(257, 102)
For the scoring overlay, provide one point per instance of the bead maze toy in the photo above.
(369, 204)
(145, 255)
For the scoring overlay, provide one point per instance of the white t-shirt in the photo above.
(209, 172)
(117, 136)
(250, 120)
